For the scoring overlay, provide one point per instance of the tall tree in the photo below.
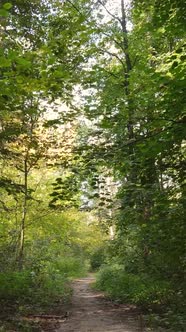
(136, 86)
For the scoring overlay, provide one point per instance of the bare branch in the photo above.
(108, 11)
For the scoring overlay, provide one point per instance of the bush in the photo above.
(29, 287)
(14, 285)
(97, 258)
(125, 287)
(71, 266)
(47, 283)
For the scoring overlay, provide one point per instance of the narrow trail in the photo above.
(91, 312)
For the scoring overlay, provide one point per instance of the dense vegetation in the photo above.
(92, 148)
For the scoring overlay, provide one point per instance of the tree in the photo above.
(30, 68)
(135, 86)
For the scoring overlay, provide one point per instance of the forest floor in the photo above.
(88, 311)
(91, 311)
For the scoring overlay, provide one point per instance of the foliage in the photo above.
(125, 287)
(139, 106)
(27, 289)
(165, 308)
(97, 259)
(27, 292)
(51, 260)
(118, 148)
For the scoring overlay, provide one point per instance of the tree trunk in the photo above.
(130, 107)
(24, 213)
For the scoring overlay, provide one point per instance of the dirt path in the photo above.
(90, 311)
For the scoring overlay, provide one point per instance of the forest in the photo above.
(92, 155)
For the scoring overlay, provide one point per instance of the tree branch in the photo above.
(111, 74)
(111, 54)
(108, 11)
(113, 39)
(75, 7)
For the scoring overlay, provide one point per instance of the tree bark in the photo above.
(24, 213)
(127, 72)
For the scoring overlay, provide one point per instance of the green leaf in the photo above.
(4, 62)
(3, 13)
(23, 62)
(7, 5)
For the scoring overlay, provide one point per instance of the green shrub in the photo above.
(126, 287)
(43, 285)
(71, 266)
(14, 285)
(30, 288)
(97, 258)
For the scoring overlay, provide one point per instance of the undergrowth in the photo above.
(161, 305)
(33, 291)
